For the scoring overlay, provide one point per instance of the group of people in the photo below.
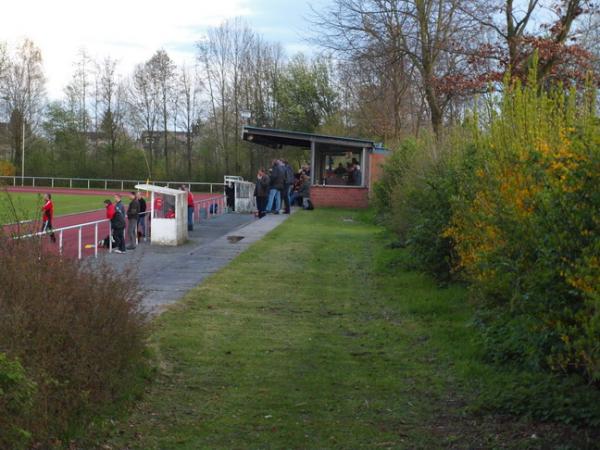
(136, 220)
(350, 175)
(280, 185)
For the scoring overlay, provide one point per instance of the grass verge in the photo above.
(317, 337)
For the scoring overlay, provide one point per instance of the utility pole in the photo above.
(23, 153)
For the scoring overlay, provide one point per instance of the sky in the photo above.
(130, 31)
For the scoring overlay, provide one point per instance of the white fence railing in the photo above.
(209, 207)
(80, 229)
(104, 183)
(204, 209)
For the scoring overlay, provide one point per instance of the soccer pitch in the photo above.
(19, 206)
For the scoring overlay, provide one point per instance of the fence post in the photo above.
(52, 181)
(96, 240)
(60, 242)
(88, 184)
(33, 182)
(79, 240)
(121, 185)
(70, 183)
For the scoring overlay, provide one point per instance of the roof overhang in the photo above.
(275, 138)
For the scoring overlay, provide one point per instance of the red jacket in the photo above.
(110, 211)
(190, 199)
(48, 211)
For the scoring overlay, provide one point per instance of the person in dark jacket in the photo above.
(117, 225)
(261, 192)
(304, 192)
(133, 213)
(288, 180)
(276, 184)
(141, 215)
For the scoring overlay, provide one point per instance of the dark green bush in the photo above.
(16, 398)
(78, 331)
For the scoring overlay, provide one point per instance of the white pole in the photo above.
(79, 240)
(23, 153)
(96, 240)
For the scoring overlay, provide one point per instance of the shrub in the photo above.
(77, 330)
(16, 395)
(7, 169)
(526, 229)
(513, 207)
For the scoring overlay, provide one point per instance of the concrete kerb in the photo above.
(167, 274)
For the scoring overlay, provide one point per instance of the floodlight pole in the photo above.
(23, 154)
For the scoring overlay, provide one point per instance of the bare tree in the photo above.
(24, 94)
(162, 70)
(78, 90)
(189, 88)
(419, 32)
(112, 100)
(144, 102)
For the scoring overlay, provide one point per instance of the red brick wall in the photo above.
(377, 159)
(339, 196)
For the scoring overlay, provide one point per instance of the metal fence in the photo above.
(204, 209)
(81, 229)
(104, 183)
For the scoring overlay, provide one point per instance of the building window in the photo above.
(339, 167)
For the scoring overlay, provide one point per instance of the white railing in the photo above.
(213, 206)
(79, 228)
(104, 183)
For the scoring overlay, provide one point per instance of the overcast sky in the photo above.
(132, 30)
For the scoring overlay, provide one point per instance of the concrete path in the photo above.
(168, 273)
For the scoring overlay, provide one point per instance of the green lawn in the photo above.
(28, 206)
(317, 337)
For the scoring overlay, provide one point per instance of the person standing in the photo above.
(119, 204)
(275, 187)
(117, 225)
(261, 192)
(47, 216)
(288, 179)
(190, 205)
(133, 213)
(142, 215)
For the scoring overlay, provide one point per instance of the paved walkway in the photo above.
(168, 273)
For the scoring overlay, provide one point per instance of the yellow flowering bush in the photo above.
(526, 227)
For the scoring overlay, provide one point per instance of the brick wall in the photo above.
(339, 196)
(377, 159)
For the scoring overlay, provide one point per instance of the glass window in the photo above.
(338, 167)
(164, 206)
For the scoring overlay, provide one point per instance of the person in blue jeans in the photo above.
(276, 185)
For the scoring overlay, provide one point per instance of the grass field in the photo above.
(319, 337)
(27, 206)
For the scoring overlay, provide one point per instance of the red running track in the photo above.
(70, 239)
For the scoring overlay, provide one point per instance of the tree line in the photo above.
(387, 69)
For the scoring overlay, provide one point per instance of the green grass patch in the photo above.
(27, 206)
(319, 337)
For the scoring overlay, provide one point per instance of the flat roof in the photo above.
(272, 137)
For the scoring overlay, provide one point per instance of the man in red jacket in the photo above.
(117, 224)
(190, 204)
(47, 216)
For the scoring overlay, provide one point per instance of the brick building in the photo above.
(343, 169)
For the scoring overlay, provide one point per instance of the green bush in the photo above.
(513, 208)
(16, 398)
(77, 330)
